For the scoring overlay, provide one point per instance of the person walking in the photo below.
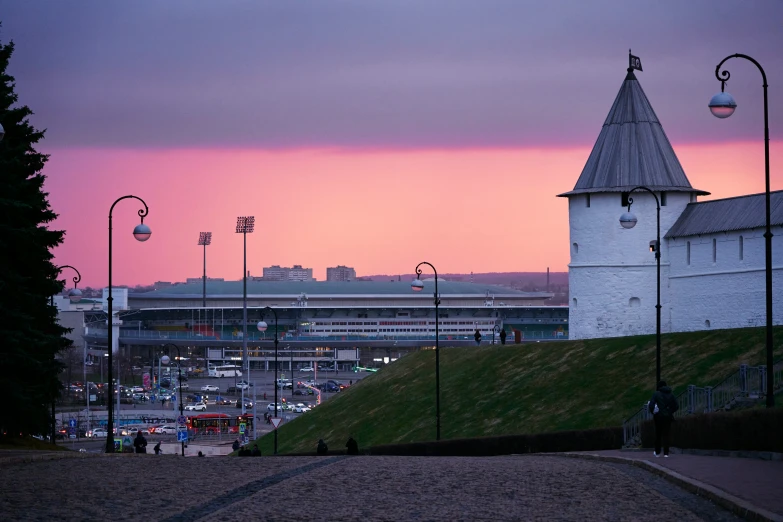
(662, 405)
(140, 443)
(157, 448)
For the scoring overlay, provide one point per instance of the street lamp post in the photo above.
(245, 226)
(142, 233)
(204, 239)
(74, 295)
(165, 359)
(495, 329)
(417, 285)
(628, 220)
(722, 105)
(262, 326)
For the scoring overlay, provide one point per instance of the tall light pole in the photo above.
(245, 226)
(74, 295)
(204, 239)
(722, 105)
(262, 326)
(142, 233)
(418, 285)
(628, 220)
(165, 360)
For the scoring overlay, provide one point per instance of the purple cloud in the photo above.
(409, 74)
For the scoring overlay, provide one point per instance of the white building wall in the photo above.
(612, 273)
(728, 292)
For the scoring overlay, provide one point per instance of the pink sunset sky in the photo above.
(373, 135)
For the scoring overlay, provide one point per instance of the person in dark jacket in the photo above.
(663, 405)
(140, 443)
(322, 449)
(256, 452)
(235, 445)
(157, 448)
(352, 446)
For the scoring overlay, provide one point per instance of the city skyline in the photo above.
(386, 135)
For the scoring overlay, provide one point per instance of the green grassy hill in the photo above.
(512, 389)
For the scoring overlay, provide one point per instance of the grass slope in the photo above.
(530, 388)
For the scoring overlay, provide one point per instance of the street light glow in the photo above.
(722, 105)
(142, 232)
(628, 220)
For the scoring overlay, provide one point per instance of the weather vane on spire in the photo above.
(634, 62)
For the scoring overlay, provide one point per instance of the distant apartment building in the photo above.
(161, 284)
(340, 273)
(198, 279)
(284, 273)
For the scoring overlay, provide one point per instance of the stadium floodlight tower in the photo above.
(204, 239)
(245, 226)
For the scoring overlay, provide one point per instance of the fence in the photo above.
(261, 337)
(748, 383)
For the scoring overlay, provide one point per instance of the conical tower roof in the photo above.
(632, 150)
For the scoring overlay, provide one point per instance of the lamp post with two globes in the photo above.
(722, 105)
(418, 285)
(142, 233)
(262, 326)
(628, 220)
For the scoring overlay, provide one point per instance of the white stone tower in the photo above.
(612, 273)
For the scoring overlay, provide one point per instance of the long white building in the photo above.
(712, 252)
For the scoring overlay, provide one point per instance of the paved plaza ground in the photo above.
(68, 486)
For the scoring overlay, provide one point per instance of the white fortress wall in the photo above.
(721, 287)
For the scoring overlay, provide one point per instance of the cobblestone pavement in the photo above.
(342, 488)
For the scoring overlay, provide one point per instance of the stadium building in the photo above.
(337, 324)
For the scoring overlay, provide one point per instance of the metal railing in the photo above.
(255, 336)
(748, 383)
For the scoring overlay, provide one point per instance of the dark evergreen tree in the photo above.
(30, 336)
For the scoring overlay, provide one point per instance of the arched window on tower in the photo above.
(576, 248)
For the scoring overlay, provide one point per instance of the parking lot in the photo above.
(220, 395)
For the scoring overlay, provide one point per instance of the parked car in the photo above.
(210, 388)
(199, 406)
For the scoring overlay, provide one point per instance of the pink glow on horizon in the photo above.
(379, 211)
